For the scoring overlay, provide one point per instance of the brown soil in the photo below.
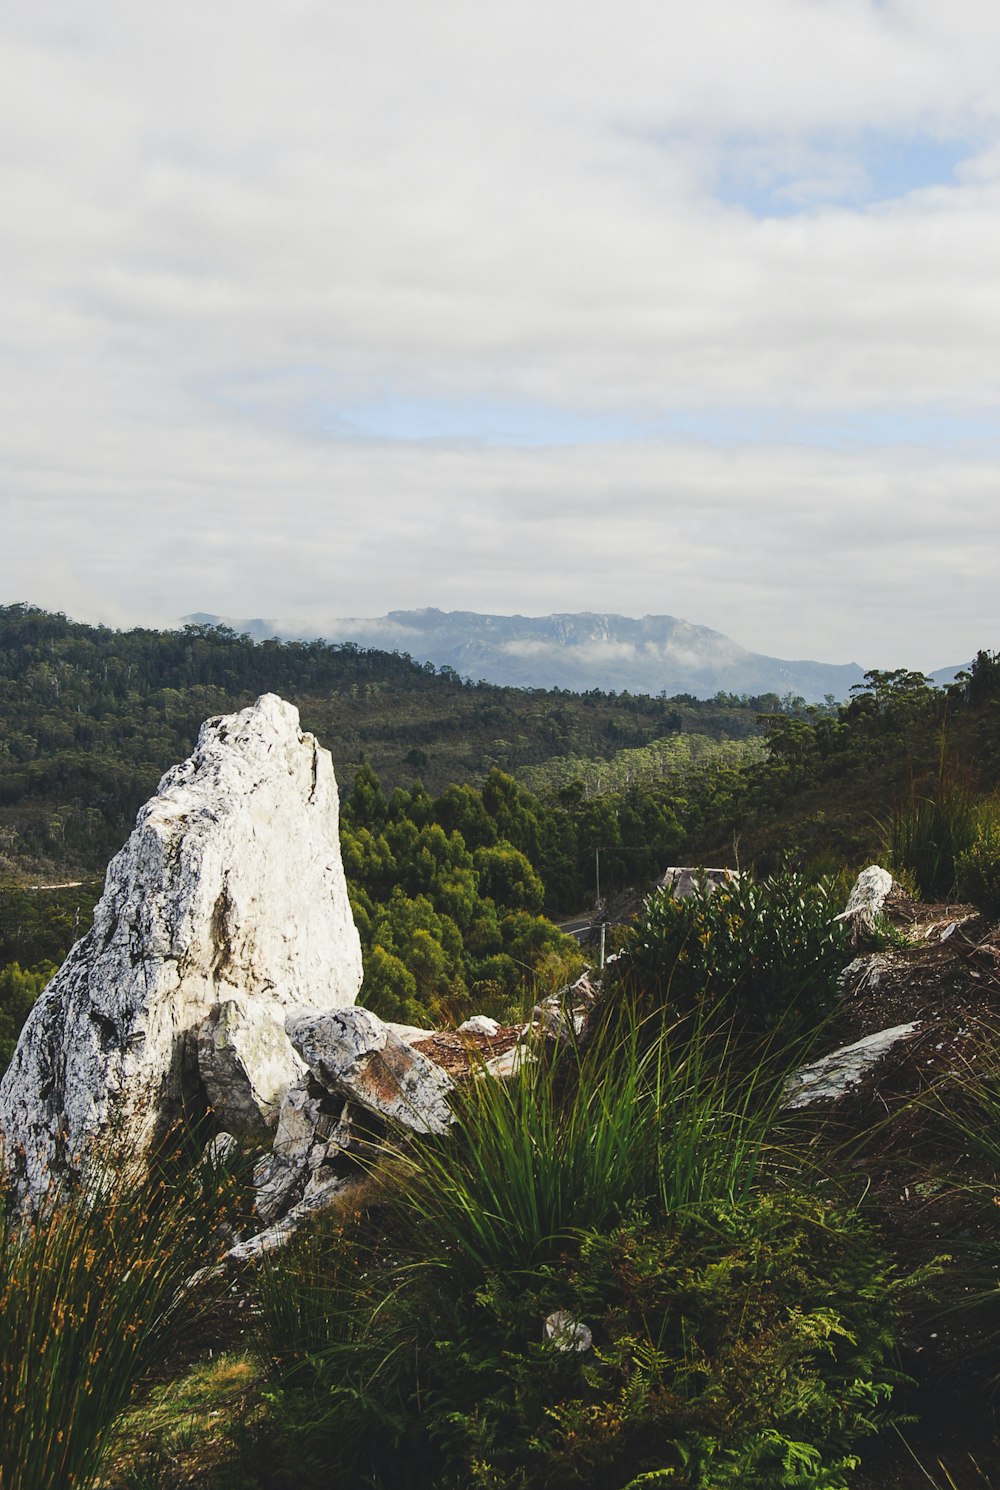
(461, 1052)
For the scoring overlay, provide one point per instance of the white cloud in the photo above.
(503, 203)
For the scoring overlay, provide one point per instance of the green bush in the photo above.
(749, 1349)
(19, 988)
(767, 951)
(390, 989)
(748, 1346)
(741, 1331)
(977, 870)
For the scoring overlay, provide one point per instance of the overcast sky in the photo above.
(317, 308)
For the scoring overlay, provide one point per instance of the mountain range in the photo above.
(654, 654)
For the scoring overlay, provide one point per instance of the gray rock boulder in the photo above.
(230, 886)
(309, 1138)
(247, 1063)
(682, 881)
(352, 1053)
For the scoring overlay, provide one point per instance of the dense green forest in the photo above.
(455, 883)
(90, 718)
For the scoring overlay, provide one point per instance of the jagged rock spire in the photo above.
(231, 884)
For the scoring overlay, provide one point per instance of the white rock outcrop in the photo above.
(866, 901)
(230, 886)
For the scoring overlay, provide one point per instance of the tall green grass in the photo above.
(926, 834)
(935, 824)
(977, 867)
(642, 1115)
(627, 1118)
(91, 1289)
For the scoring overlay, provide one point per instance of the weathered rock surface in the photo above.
(230, 886)
(247, 1063)
(322, 1190)
(565, 1015)
(840, 1072)
(309, 1140)
(352, 1053)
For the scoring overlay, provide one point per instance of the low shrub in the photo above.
(749, 1346)
(722, 1356)
(977, 869)
(741, 1330)
(766, 952)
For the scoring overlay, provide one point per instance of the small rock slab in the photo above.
(354, 1054)
(466, 1052)
(840, 1072)
(247, 1063)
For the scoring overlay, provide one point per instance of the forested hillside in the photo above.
(454, 863)
(730, 1223)
(90, 717)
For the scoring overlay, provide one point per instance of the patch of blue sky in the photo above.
(875, 166)
(524, 424)
(484, 421)
(305, 402)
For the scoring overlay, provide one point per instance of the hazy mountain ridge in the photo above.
(580, 651)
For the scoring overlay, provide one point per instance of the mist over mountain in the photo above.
(654, 654)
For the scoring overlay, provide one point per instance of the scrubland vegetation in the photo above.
(751, 1314)
(745, 1318)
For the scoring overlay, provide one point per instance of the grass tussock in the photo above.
(91, 1292)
